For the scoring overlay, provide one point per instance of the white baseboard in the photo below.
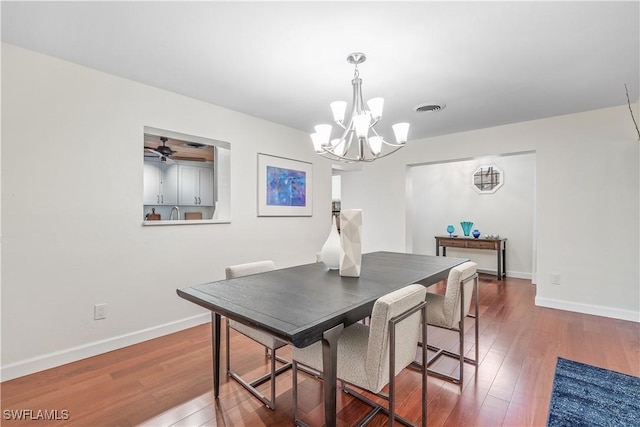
(62, 357)
(514, 274)
(519, 275)
(596, 310)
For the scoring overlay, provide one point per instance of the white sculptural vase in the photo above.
(330, 253)
(351, 242)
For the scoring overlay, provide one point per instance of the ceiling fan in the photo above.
(167, 154)
(161, 151)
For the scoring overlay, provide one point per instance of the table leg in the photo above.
(215, 348)
(437, 249)
(504, 258)
(329, 372)
(499, 265)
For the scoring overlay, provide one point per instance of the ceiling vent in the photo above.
(196, 145)
(429, 107)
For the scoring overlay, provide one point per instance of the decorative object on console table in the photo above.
(466, 227)
(331, 250)
(351, 242)
(476, 233)
(450, 230)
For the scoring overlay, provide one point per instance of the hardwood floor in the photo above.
(167, 381)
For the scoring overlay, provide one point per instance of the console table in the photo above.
(499, 245)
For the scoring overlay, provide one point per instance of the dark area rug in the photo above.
(584, 395)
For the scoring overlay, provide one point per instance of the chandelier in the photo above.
(359, 142)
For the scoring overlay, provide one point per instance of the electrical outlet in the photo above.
(99, 311)
(555, 279)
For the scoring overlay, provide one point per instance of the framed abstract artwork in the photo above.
(487, 179)
(285, 186)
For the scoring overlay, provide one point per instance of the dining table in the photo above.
(307, 303)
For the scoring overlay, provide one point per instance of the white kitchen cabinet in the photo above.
(206, 186)
(196, 185)
(160, 183)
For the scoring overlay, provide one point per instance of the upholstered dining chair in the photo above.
(268, 341)
(369, 357)
(448, 311)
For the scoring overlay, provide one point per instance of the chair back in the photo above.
(457, 276)
(407, 331)
(240, 270)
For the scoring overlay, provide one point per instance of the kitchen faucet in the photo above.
(177, 209)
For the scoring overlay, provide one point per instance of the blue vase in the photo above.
(450, 229)
(466, 227)
(476, 234)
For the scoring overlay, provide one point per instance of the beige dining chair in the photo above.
(448, 311)
(369, 357)
(268, 341)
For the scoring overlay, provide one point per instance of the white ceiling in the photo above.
(491, 63)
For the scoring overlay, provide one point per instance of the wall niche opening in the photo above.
(185, 180)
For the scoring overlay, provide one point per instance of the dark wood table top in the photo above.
(297, 304)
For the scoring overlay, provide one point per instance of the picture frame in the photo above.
(285, 186)
(487, 179)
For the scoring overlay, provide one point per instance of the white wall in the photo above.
(587, 202)
(441, 193)
(72, 169)
(72, 193)
(336, 187)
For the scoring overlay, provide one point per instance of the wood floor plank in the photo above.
(183, 411)
(167, 381)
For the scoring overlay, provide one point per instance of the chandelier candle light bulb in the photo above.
(339, 146)
(401, 130)
(351, 146)
(375, 106)
(375, 144)
(361, 123)
(338, 108)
